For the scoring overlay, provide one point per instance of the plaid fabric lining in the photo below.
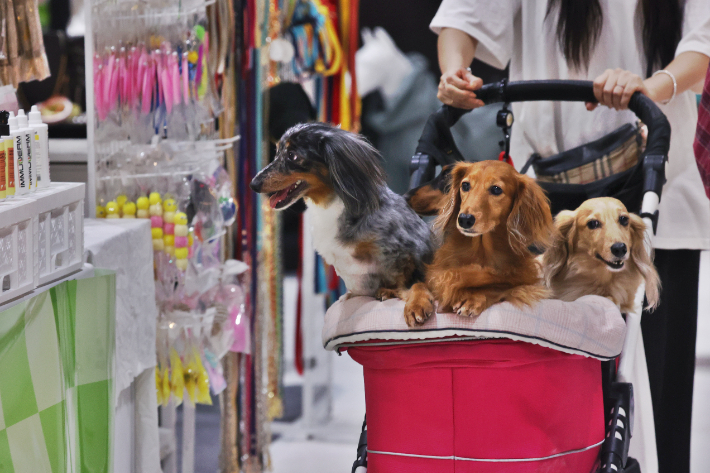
(702, 136)
(622, 158)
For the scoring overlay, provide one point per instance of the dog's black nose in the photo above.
(255, 185)
(466, 220)
(618, 249)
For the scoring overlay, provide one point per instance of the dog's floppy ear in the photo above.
(555, 258)
(430, 198)
(446, 221)
(355, 169)
(644, 261)
(530, 221)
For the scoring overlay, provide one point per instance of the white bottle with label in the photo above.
(40, 152)
(21, 178)
(9, 149)
(28, 138)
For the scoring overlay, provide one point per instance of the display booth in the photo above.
(183, 101)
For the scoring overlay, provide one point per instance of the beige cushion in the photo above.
(591, 326)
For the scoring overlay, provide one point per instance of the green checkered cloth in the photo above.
(56, 379)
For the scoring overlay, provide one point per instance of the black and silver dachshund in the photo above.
(375, 241)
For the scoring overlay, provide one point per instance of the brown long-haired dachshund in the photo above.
(491, 217)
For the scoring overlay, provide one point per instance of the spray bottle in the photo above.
(20, 160)
(40, 152)
(28, 137)
(4, 130)
(9, 152)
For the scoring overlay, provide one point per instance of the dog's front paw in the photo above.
(385, 293)
(418, 310)
(472, 305)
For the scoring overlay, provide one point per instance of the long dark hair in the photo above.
(579, 25)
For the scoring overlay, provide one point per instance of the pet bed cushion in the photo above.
(591, 326)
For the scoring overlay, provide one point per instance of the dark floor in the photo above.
(207, 442)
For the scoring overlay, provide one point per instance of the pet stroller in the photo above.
(513, 391)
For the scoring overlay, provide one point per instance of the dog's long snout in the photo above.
(618, 249)
(466, 221)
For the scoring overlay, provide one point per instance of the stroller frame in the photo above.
(436, 147)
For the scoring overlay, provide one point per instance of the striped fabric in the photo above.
(56, 379)
(622, 158)
(702, 136)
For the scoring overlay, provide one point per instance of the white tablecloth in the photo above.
(125, 246)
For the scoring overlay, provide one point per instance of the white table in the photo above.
(125, 246)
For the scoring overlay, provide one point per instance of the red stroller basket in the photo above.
(481, 406)
(514, 390)
(492, 405)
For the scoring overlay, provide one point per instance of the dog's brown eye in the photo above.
(292, 156)
(624, 220)
(465, 186)
(592, 224)
(495, 190)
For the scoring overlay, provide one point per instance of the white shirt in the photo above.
(516, 31)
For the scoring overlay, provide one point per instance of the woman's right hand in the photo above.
(456, 88)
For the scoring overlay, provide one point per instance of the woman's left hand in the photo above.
(615, 87)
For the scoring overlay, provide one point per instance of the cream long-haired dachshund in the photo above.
(599, 249)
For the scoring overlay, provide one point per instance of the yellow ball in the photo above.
(169, 217)
(142, 203)
(180, 218)
(111, 208)
(157, 233)
(169, 240)
(100, 212)
(158, 244)
(180, 253)
(169, 249)
(121, 200)
(170, 205)
(129, 209)
(190, 239)
(192, 57)
(181, 264)
(154, 198)
(180, 230)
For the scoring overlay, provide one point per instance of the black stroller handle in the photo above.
(437, 142)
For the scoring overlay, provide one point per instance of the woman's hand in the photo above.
(615, 87)
(456, 88)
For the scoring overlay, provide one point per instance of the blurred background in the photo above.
(397, 76)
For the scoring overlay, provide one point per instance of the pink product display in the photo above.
(150, 78)
(141, 80)
(159, 156)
